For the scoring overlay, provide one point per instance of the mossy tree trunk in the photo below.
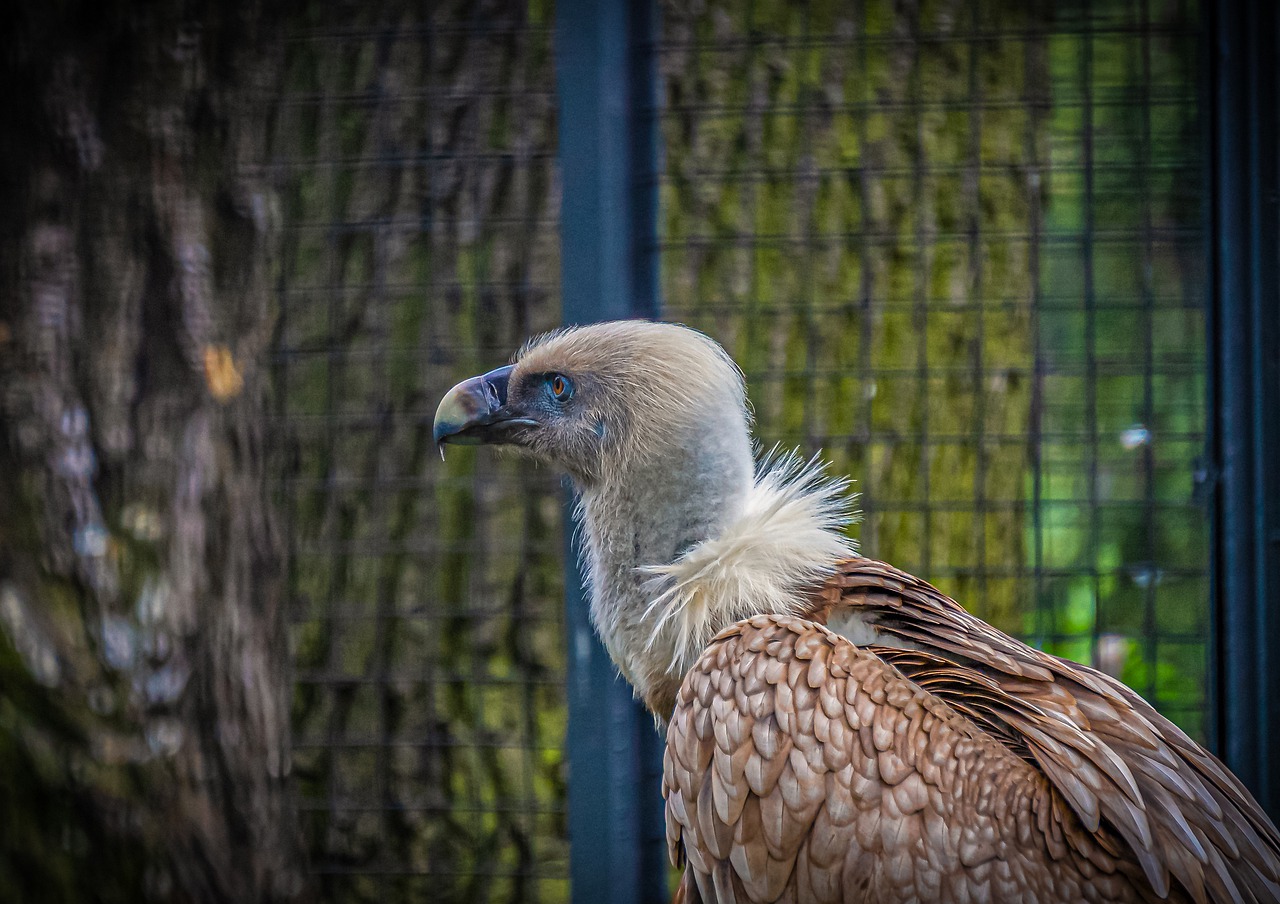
(418, 150)
(144, 692)
(846, 195)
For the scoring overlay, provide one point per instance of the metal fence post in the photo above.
(606, 87)
(1244, 399)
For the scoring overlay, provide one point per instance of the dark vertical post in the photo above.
(607, 87)
(1245, 392)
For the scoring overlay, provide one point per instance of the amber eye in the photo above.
(560, 387)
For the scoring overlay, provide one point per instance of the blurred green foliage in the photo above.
(1123, 539)
(57, 846)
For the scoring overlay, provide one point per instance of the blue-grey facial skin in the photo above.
(488, 410)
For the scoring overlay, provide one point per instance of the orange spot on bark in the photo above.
(221, 373)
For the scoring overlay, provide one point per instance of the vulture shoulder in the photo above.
(939, 759)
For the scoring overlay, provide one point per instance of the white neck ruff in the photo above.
(787, 537)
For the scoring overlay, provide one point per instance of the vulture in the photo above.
(838, 730)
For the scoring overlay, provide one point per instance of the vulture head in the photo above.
(683, 532)
(603, 400)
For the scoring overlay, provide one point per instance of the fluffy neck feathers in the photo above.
(676, 556)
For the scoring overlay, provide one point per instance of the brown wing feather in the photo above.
(802, 768)
(1113, 758)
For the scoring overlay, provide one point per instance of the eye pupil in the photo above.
(560, 387)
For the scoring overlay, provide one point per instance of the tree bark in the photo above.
(836, 222)
(144, 656)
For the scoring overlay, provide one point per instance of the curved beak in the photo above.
(475, 411)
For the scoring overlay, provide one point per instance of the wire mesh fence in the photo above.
(417, 144)
(955, 245)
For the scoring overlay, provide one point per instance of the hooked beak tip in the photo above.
(475, 411)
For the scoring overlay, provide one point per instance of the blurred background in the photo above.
(258, 642)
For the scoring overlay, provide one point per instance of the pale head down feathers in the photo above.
(646, 385)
